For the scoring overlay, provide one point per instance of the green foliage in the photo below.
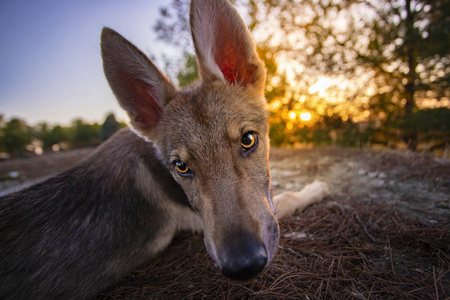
(85, 134)
(109, 127)
(189, 73)
(332, 130)
(429, 126)
(428, 120)
(16, 135)
(52, 135)
(277, 134)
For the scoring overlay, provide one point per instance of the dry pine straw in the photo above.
(333, 250)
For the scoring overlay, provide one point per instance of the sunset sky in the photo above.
(51, 69)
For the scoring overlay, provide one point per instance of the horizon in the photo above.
(51, 65)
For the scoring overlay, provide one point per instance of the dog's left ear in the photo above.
(223, 45)
(141, 89)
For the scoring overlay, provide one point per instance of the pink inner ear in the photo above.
(231, 57)
(226, 60)
(148, 111)
(141, 100)
(233, 64)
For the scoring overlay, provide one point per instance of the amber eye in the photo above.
(182, 168)
(249, 140)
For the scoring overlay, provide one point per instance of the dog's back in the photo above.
(77, 233)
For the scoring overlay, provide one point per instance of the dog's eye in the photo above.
(249, 140)
(182, 168)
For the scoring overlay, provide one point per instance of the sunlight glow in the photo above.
(305, 116)
(321, 85)
(292, 115)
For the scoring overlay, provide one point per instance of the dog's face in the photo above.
(216, 145)
(212, 136)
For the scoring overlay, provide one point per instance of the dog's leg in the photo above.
(289, 202)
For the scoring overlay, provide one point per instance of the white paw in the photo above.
(288, 202)
(315, 191)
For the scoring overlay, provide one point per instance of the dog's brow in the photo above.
(235, 132)
(179, 154)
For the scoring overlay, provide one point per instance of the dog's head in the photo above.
(212, 135)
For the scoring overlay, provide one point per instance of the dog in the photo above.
(194, 159)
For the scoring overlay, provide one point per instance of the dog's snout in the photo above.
(244, 260)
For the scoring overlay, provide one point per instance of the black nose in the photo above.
(243, 260)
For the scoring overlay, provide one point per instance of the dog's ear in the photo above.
(141, 89)
(223, 45)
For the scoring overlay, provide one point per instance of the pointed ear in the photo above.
(139, 86)
(223, 45)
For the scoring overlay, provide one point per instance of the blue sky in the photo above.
(51, 69)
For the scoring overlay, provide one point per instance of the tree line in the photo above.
(17, 138)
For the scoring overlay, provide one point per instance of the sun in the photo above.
(305, 116)
(292, 115)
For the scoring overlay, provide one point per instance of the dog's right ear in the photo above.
(141, 89)
(223, 45)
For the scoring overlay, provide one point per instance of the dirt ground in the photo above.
(383, 233)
